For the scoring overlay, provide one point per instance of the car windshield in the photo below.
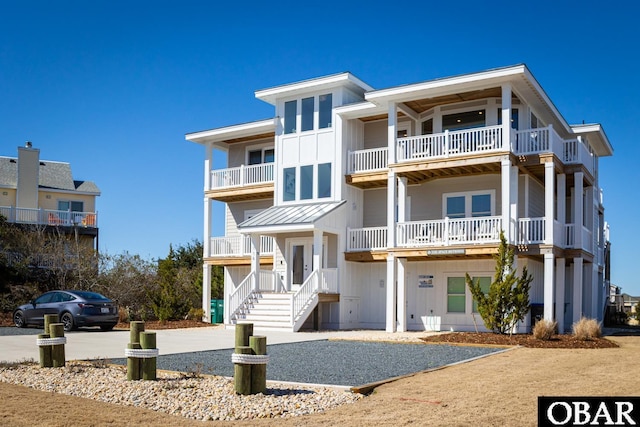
(90, 295)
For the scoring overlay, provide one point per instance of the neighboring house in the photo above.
(364, 208)
(43, 193)
(630, 303)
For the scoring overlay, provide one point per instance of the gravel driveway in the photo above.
(347, 363)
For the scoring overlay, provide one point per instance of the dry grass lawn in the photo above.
(500, 390)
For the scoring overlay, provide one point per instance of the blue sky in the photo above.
(112, 87)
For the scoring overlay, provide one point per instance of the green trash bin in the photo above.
(214, 311)
(220, 311)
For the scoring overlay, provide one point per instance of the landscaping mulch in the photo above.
(524, 340)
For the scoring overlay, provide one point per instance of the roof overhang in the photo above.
(223, 136)
(346, 79)
(597, 138)
(292, 218)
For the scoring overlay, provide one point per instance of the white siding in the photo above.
(536, 199)
(375, 208)
(234, 213)
(375, 134)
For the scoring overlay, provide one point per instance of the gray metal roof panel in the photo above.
(290, 215)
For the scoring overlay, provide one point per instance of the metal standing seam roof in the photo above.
(290, 215)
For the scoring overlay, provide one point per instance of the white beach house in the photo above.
(362, 208)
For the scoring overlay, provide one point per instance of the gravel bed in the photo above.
(346, 363)
(12, 330)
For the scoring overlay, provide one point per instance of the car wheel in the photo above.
(67, 321)
(107, 327)
(18, 319)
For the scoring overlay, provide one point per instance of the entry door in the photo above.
(300, 261)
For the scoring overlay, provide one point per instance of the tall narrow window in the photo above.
(290, 112)
(324, 180)
(325, 105)
(307, 114)
(306, 182)
(456, 300)
(481, 205)
(456, 207)
(268, 155)
(289, 184)
(514, 118)
(427, 127)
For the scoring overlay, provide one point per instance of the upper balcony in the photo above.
(16, 215)
(241, 183)
(424, 154)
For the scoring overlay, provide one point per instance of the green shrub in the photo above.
(545, 329)
(587, 329)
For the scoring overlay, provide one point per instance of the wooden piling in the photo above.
(258, 346)
(56, 330)
(242, 372)
(45, 353)
(134, 364)
(135, 328)
(148, 341)
(243, 332)
(48, 320)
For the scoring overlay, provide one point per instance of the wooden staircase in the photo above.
(268, 310)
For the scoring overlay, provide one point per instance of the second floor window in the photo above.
(73, 206)
(306, 119)
(290, 112)
(467, 205)
(264, 155)
(306, 182)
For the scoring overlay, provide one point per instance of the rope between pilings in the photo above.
(141, 353)
(250, 359)
(51, 341)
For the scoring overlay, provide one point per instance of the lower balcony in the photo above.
(237, 247)
(49, 217)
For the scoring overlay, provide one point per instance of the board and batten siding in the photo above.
(374, 206)
(234, 214)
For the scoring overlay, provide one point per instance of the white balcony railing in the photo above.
(238, 246)
(369, 238)
(49, 217)
(373, 159)
(531, 231)
(241, 176)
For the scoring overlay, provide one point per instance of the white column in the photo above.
(506, 115)
(255, 260)
(206, 243)
(391, 294)
(402, 294)
(392, 132)
(549, 278)
(513, 203)
(596, 309)
(560, 278)
(206, 293)
(208, 164)
(402, 199)
(317, 252)
(391, 209)
(549, 206)
(577, 289)
(506, 199)
(588, 220)
(578, 209)
(561, 200)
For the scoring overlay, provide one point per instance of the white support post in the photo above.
(392, 132)
(402, 294)
(577, 289)
(513, 203)
(391, 209)
(549, 206)
(317, 252)
(255, 260)
(506, 202)
(549, 278)
(208, 164)
(560, 279)
(206, 293)
(506, 115)
(562, 204)
(206, 244)
(391, 294)
(578, 209)
(596, 312)
(402, 199)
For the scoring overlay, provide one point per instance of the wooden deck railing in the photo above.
(49, 217)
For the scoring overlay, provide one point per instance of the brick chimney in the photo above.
(28, 175)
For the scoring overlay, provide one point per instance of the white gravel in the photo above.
(200, 397)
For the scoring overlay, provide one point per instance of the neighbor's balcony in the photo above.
(241, 183)
(470, 142)
(49, 217)
(238, 246)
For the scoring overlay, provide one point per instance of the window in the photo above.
(427, 127)
(324, 180)
(290, 112)
(466, 120)
(534, 121)
(289, 182)
(269, 155)
(307, 114)
(467, 205)
(306, 182)
(456, 298)
(65, 205)
(514, 118)
(485, 284)
(325, 105)
(263, 155)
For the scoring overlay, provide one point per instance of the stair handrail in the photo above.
(303, 295)
(240, 295)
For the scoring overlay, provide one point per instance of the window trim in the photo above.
(262, 147)
(463, 294)
(468, 201)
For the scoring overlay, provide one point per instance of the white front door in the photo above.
(300, 260)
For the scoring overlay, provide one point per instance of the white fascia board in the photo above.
(230, 132)
(275, 229)
(343, 79)
(361, 109)
(603, 147)
(63, 191)
(445, 85)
